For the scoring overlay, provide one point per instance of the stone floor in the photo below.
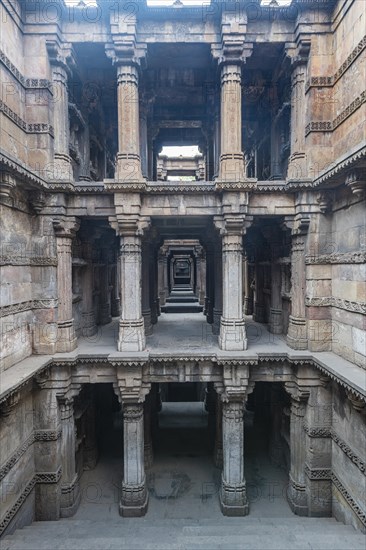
(184, 511)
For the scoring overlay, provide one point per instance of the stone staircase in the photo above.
(252, 533)
(182, 301)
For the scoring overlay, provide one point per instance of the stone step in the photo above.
(182, 308)
(182, 299)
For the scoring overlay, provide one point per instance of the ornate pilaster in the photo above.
(232, 335)
(297, 169)
(275, 314)
(61, 57)
(65, 230)
(105, 288)
(218, 453)
(146, 309)
(131, 324)
(134, 500)
(248, 294)
(88, 318)
(70, 491)
(217, 311)
(259, 312)
(297, 495)
(148, 444)
(233, 497)
(297, 329)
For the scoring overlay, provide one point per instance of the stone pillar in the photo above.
(143, 140)
(248, 295)
(275, 314)
(217, 143)
(90, 451)
(318, 445)
(276, 409)
(209, 294)
(134, 500)
(297, 496)
(232, 326)
(62, 162)
(116, 285)
(233, 498)
(165, 278)
(88, 318)
(202, 277)
(210, 400)
(131, 324)
(297, 329)
(148, 444)
(218, 453)
(47, 454)
(154, 299)
(105, 291)
(259, 313)
(70, 491)
(162, 267)
(65, 230)
(231, 158)
(128, 156)
(146, 309)
(217, 312)
(297, 162)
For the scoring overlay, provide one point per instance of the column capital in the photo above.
(125, 53)
(66, 226)
(298, 53)
(232, 53)
(61, 55)
(130, 388)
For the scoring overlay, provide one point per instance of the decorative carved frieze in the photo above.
(22, 172)
(27, 306)
(47, 435)
(361, 464)
(321, 474)
(331, 125)
(16, 506)
(29, 128)
(317, 431)
(336, 258)
(351, 501)
(331, 301)
(28, 260)
(329, 81)
(28, 83)
(16, 456)
(49, 477)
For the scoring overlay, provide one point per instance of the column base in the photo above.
(70, 498)
(129, 168)
(201, 298)
(216, 321)
(147, 322)
(218, 456)
(62, 168)
(131, 335)
(232, 335)
(275, 321)
(248, 306)
(66, 338)
(259, 313)
(89, 327)
(105, 315)
(162, 298)
(233, 499)
(148, 456)
(297, 333)
(297, 167)
(116, 307)
(232, 167)
(297, 498)
(134, 501)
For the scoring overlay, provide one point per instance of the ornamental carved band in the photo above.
(133, 413)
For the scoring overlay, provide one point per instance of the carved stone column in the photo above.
(70, 491)
(134, 500)
(275, 315)
(146, 309)
(65, 230)
(233, 498)
(90, 452)
(131, 324)
(116, 286)
(217, 312)
(128, 157)
(210, 407)
(105, 290)
(162, 276)
(259, 313)
(201, 274)
(232, 158)
(248, 295)
(232, 326)
(297, 163)
(88, 318)
(154, 297)
(143, 138)
(297, 496)
(62, 162)
(47, 453)
(218, 453)
(297, 329)
(148, 444)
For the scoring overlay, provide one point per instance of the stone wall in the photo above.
(348, 460)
